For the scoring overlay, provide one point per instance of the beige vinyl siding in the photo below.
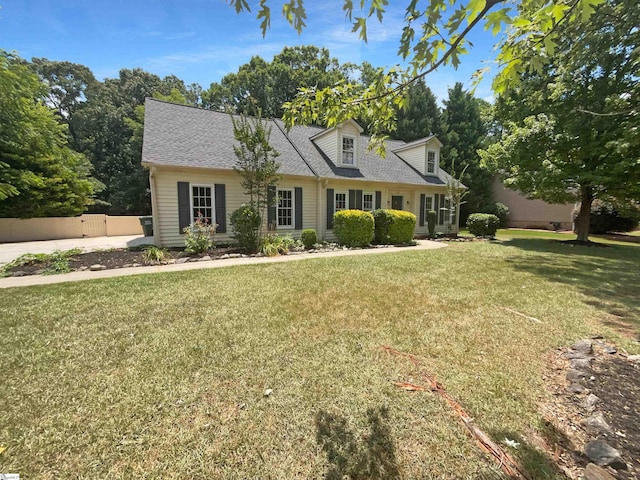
(416, 157)
(328, 143)
(527, 213)
(166, 227)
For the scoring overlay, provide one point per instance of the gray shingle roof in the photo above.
(182, 136)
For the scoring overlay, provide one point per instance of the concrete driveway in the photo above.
(11, 251)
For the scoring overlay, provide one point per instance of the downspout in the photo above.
(154, 207)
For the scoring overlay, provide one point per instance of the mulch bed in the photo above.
(115, 258)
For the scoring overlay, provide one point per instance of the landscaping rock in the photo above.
(225, 256)
(590, 402)
(18, 273)
(83, 268)
(597, 424)
(604, 455)
(594, 472)
(182, 260)
(610, 350)
(96, 267)
(171, 261)
(206, 258)
(583, 346)
(574, 375)
(572, 354)
(126, 265)
(578, 363)
(576, 387)
(136, 265)
(634, 358)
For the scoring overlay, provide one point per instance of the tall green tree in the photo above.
(39, 174)
(463, 134)
(261, 86)
(104, 134)
(571, 131)
(421, 116)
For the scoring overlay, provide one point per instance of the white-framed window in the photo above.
(285, 208)
(341, 201)
(348, 150)
(368, 201)
(431, 161)
(202, 202)
(428, 203)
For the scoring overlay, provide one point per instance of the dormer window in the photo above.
(348, 150)
(431, 161)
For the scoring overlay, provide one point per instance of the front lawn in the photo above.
(164, 375)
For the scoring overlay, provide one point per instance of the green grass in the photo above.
(163, 375)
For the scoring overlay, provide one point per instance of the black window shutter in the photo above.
(442, 211)
(298, 200)
(358, 200)
(221, 208)
(330, 208)
(352, 199)
(184, 207)
(422, 200)
(272, 202)
(436, 207)
(378, 199)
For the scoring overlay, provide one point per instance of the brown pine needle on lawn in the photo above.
(533, 319)
(507, 463)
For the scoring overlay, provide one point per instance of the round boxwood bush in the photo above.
(353, 228)
(483, 224)
(393, 226)
(309, 238)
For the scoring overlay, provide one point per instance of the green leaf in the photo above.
(474, 8)
(360, 25)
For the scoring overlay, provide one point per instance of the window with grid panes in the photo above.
(285, 208)
(202, 202)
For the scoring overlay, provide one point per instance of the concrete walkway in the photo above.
(121, 272)
(11, 251)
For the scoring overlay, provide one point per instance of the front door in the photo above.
(396, 202)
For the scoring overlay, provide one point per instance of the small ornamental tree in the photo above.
(256, 164)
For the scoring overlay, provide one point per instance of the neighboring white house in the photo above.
(527, 213)
(189, 153)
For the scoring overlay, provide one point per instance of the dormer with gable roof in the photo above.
(341, 144)
(422, 154)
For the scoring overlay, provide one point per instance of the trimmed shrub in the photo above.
(431, 222)
(607, 218)
(393, 226)
(501, 211)
(382, 219)
(353, 228)
(402, 227)
(309, 238)
(245, 222)
(483, 224)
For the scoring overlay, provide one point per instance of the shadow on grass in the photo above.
(372, 456)
(609, 276)
(536, 462)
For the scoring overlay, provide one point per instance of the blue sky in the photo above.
(202, 40)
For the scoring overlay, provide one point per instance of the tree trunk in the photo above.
(583, 220)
